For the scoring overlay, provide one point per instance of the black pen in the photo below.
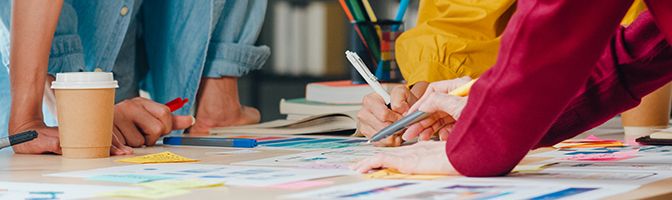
(17, 139)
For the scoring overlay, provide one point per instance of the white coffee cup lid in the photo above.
(84, 80)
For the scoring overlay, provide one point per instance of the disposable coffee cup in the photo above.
(651, 114)
(85, 110)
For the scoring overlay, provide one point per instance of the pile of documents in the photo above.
(578, 169)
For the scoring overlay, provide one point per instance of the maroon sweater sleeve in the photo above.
(548, 52)
(660, 9)
(637, 61)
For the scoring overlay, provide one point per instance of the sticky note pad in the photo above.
(128, 178)
(177, 184)
(394, 174)
(146, 194)
(164, 157)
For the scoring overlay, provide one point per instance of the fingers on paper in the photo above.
(445, 131)
(119, 144)
(381, 160)
(421, 127)
(392, 141)
(47, 141)
(51, 141)
(127, 128)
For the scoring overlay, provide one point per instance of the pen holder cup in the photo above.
(374, 42)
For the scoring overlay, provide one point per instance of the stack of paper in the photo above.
(589, 142)
(462, 189)
(164, 189)
(231, 175)
(26, 190)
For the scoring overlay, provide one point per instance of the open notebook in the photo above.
(309, 125)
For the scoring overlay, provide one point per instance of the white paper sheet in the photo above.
(27, 190)
(231, 175)
(644, 151)
(587, 176)
(233, 152)
(321, 159)
(618, 166)
(460, 189)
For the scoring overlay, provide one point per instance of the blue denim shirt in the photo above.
(183, 41)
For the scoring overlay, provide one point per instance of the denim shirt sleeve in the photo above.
(67, 52)
(232, 51)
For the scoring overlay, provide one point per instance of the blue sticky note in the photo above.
(128, 178)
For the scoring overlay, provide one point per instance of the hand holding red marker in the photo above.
(176, 103)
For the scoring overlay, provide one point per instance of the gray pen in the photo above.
(416, 116)
(17, 139)
(399, 125)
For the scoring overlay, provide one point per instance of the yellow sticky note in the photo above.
(178, 184)
(164, 157)
(146, 194)
(394, 174)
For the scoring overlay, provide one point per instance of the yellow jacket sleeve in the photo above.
(637, 8)
(453, 38)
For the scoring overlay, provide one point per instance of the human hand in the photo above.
(445, 109)
(47, 140)
(420, 158)
(228, 117)
(375, 115)
(219, 106)
(140, 121)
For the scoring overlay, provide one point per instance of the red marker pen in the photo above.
(176, 103)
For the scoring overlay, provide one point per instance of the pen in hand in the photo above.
(370, 79)
(17, 139)
(415, 116)
(176, 103)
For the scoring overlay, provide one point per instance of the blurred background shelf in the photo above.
(307, 40)
(264, 90)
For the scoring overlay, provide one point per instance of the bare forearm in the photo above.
(33, 26)
(218, 105)
(218, 91)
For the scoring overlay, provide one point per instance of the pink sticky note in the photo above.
(301, 185)
(603, 156)
(593, 137)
